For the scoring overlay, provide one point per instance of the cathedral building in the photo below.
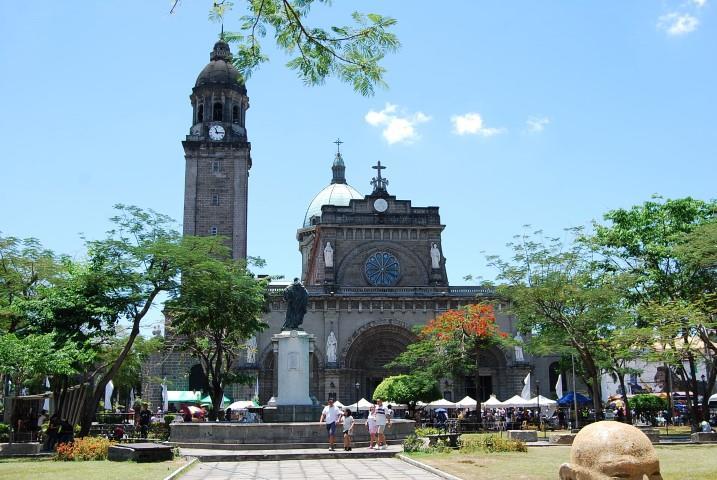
(373, 265)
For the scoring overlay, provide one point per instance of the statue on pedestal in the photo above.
(519, 357)
(250, 346)
(297, 299)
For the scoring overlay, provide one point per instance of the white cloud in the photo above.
(699, 3)
(472, 124)
(678, 23)
(537, 124)
(397, 127)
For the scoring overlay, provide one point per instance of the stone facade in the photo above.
(374, 268)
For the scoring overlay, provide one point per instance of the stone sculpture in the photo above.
(251, 350)
(331, 348)
(435, 257)
(328, 255)
(609, 449)
(297, 299)
(519, 357)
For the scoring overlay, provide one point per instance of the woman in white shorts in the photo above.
(372, 427)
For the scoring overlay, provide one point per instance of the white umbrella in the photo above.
(525, 393)
(467, 402)
(442, 403)
(492, 402)
(46, 403)
(109, 388)
(241, 405)
(165, 396)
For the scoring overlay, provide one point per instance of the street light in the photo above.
(358, 386)
(540, 419)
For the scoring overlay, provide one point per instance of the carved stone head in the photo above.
(611, 450)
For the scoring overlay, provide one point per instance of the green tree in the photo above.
(35, 357)
(351, 53)
(453, 343)
(648, 242)
(408, 389)
(25, 267)
(567, 304)
(218, 306)
(130, 372)
(648, 405)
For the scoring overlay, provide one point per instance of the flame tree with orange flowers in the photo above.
(451, 344)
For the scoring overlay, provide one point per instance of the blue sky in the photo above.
(502, 113)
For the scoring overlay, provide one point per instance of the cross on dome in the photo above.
(338, 143)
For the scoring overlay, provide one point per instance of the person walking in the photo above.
(145, 417)
(382, 420)
(348, 429)
(330, 415)
(371, 425)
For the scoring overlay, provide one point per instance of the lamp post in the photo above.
(358, 386)
(540, 419)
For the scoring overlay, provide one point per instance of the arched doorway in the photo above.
(197, 379)
(366, 356)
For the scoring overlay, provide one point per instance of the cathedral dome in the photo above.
(220, 70)
(339, 194)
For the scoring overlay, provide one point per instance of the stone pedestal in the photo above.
(704, 437)
(523, 435)
(292, 350)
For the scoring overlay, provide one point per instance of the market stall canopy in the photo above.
(242, 405)
(568, 399)
(442, 403)
(516, 401)
(467, 402)
(543, 401)
(208, 400)
(188, 396)
(363, 405)
(492, 402)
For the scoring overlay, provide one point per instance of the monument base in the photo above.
(292, 413)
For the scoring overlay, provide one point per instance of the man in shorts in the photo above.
(330, 416)
(382, 420)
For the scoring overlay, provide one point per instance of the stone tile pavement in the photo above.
(333, 469)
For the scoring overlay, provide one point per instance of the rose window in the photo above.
(382, 269)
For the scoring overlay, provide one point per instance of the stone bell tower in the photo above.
(217, 154)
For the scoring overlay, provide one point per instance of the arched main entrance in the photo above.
(365, 357)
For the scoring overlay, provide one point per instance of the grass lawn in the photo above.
(99, 470)
(688, 462)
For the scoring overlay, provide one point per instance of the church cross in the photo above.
(379, 183)
(338, 143)
(379, 167)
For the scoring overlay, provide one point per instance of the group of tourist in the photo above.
(379, 418)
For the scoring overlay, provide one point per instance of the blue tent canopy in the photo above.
(568, 399)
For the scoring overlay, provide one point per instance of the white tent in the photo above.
(492, 402)
(544, 402)
(339, 404)
(442, 403)
(241, 405)
(363, 405)
(516, 401)
(467, 402)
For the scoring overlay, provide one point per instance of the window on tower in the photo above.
(216, 166)
(215, 199)
(213, 231)
(235, 114)
(217, 115)
(200, 114)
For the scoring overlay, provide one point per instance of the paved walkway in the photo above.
(334, 469)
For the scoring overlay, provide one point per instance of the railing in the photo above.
(317, 291)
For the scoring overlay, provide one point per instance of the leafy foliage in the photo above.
(217, 308)
(352, 53)
(81, 449)
(491, 444)
(408, 389)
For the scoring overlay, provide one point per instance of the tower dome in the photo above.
(220, 70)
(338, 192)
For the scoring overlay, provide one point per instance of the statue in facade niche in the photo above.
(331, 344)
(435, 257)
(250, 346)
(609, 449)
(297, 299)
(328, 255)
(519, 357)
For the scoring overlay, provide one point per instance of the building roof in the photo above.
(339, 194)
(220, 70)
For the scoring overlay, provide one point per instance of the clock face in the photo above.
(380, 205)
(216, 132)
